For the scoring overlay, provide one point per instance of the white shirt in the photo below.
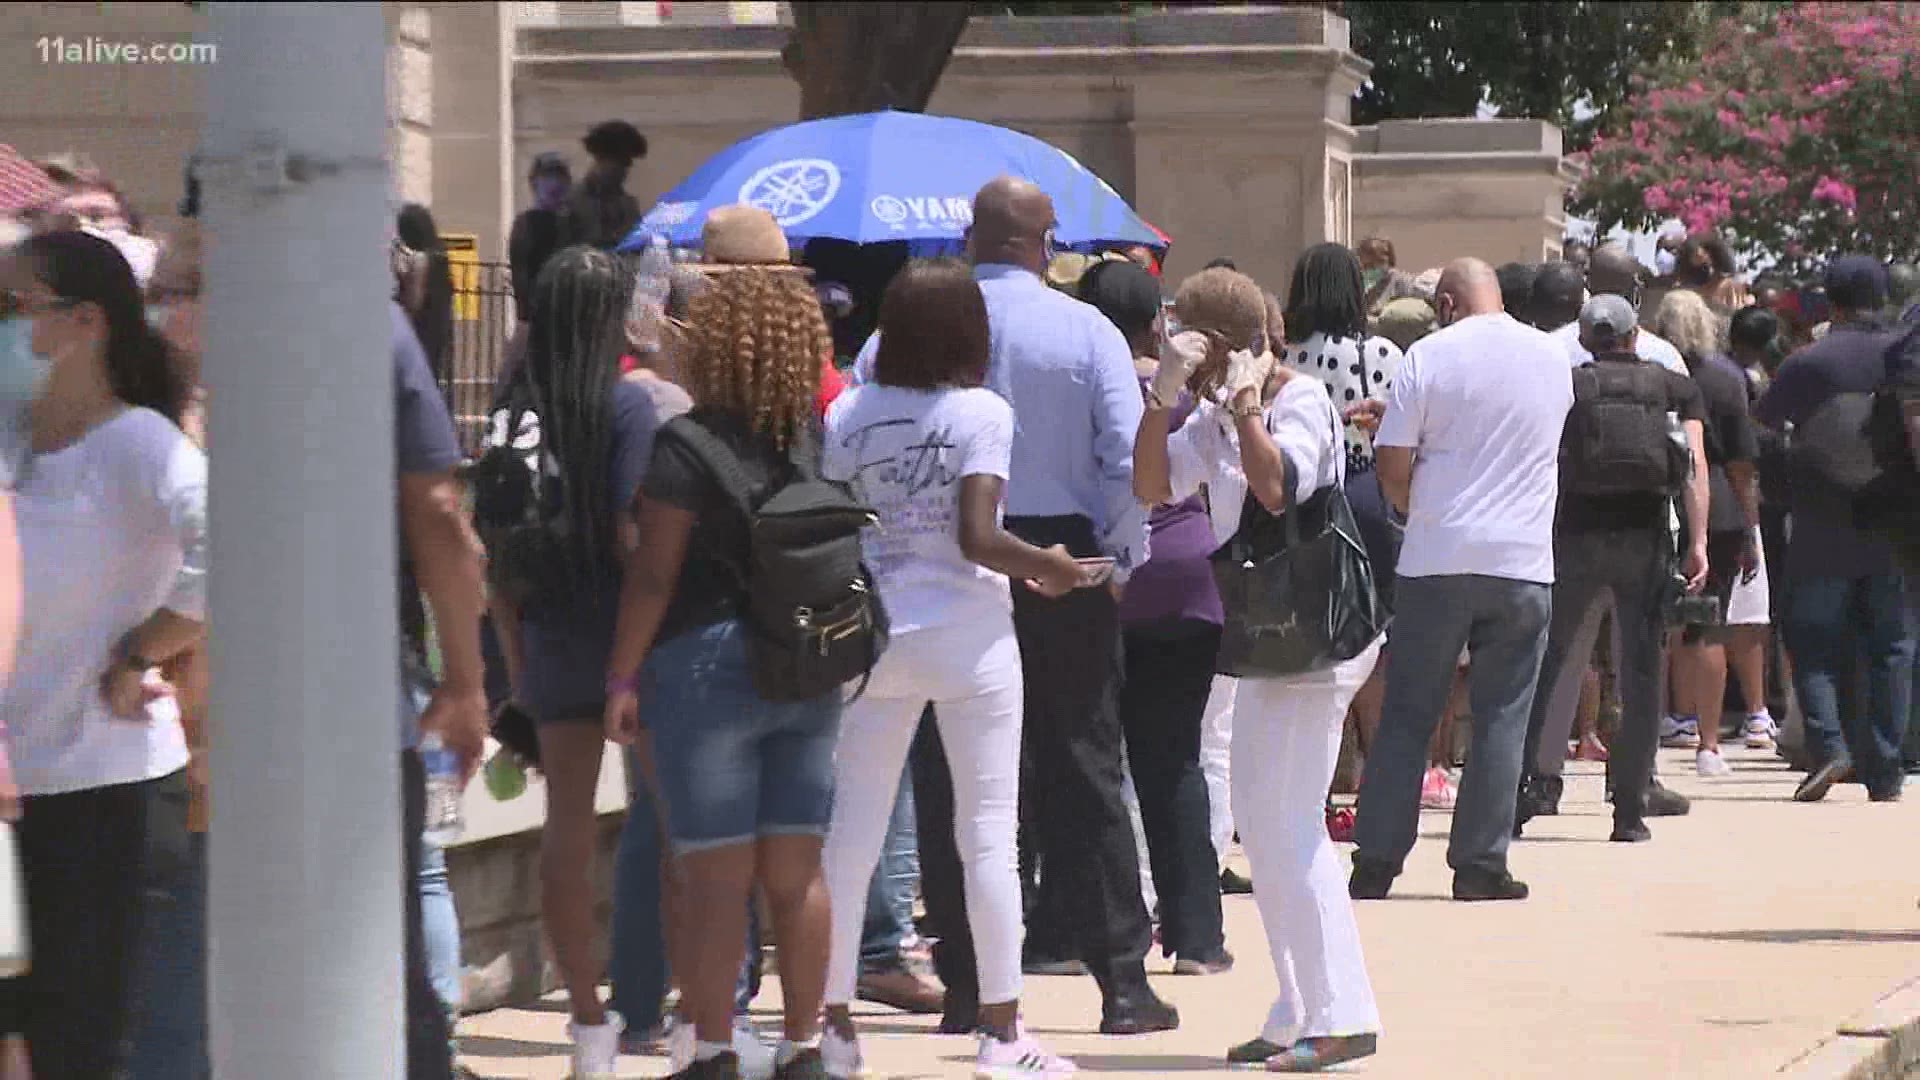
(905, 452)
(112, 529)
(1352, 369)
(1481, 404)
(1206, 450)
(1647, 345)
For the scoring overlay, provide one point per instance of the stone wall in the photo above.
(1441, 189)
(136, 121)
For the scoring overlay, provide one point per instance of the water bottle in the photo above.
(444, 820)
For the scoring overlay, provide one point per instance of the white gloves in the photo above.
(1246, 371)
(1180, 356)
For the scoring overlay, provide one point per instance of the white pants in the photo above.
(971, 674)
(1216, 761)
(1286, 742)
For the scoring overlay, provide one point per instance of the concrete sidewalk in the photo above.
(1731, 946)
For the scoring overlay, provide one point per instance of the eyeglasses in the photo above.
(14, 304)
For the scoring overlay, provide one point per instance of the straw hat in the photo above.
(741, 236)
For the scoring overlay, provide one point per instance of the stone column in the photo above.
(1241, 152)
(473, 175)
(410, 100)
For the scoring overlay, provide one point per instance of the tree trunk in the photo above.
(861, 57)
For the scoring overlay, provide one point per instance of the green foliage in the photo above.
(1796, 135)
(1538, 60)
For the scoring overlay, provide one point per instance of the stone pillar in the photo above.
(410, 100)
(1244, 156)
(473, 175)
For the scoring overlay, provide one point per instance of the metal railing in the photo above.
(483, 322)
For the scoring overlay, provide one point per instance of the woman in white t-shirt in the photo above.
(927, 447)
(1274, 437)
(111, 508)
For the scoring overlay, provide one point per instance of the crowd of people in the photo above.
(973, 607)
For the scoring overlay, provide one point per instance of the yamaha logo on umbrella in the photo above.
(792, 191)
(924, 212)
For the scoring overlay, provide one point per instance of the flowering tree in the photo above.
(1796, 134)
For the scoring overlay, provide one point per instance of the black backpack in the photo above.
(813, 618)
(520, 505)
(1888, 504)
(1618, 437)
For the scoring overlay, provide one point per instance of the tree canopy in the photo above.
(1795, 135)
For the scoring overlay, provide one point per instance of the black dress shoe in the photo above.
(1369, 881)
(1663, 801)
(1821, 780)
(1630, 832)
(1890, 794)
(1232, 884)
(1137, 1012)
(1486, 885)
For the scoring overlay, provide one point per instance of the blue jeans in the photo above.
(637, 956)
(1504, 623)
(890, 894)
(734, 766)
(1833, 623)
(169, 1026)
(440, 927)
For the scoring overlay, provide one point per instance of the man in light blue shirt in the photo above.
(1068, 373)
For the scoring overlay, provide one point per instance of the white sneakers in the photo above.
(596, 1047)
(756, 1056)
(1679, 732)
(1709, 763)
(1761, 731)
(1021, 1059)
(842, 1056)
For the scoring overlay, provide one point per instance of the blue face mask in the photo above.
(23, 372)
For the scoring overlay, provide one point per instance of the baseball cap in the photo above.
(1124, 292)
(549, 163)
(1856, 282)
(1606, 319)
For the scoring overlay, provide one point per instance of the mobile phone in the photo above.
(1096, 571)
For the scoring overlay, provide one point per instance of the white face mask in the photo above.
(23, 372)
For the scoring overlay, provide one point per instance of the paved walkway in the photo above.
(1728, 947)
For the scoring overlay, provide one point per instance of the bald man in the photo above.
(1614, 270)
(1068, 373)
(1468, 450)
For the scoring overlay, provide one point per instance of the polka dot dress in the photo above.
(1352, 369)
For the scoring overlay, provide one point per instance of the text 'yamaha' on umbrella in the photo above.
(880, 176)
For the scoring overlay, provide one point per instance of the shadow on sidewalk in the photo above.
(491, 1046)
(1803, 937)
(1147, 1063)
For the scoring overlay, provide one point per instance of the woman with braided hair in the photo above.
(569, 400)
(747, 783)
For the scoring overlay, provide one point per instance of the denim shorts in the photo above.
(733, 766)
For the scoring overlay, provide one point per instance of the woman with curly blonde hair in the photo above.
(746, 783)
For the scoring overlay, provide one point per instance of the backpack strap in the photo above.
(720, 462)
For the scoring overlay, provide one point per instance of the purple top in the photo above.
(1176, 582)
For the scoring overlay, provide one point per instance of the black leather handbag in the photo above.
(1297, 587)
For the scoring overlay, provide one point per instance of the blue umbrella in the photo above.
(889, 175)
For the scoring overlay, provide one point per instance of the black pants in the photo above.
(429, 1057)
(1074, 821)
(942, 886)
(85, 857)
(1635, 565)
(1169, 675)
